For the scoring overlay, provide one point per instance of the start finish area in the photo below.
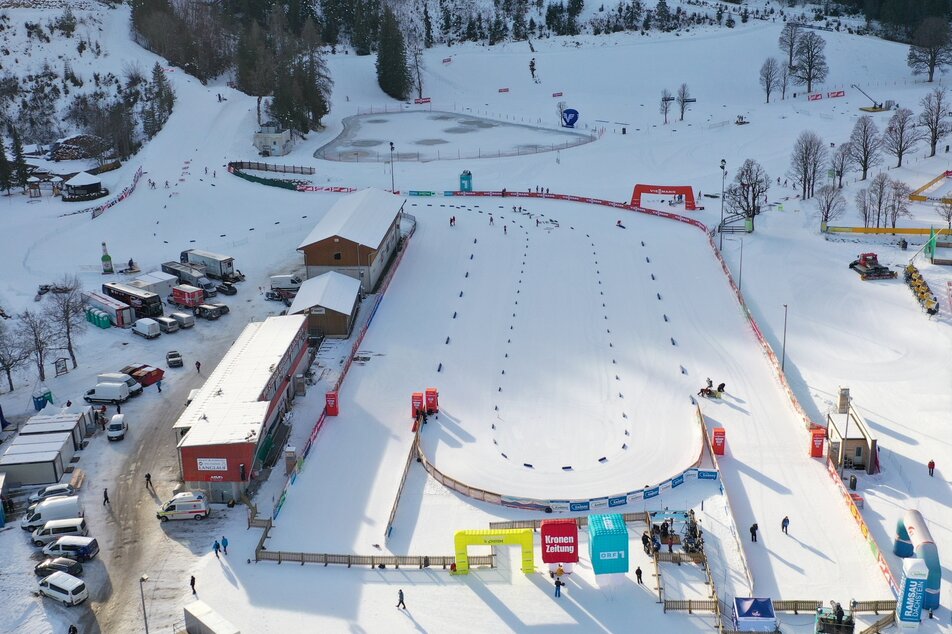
(565, 357)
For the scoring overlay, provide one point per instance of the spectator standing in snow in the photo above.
(192, 583)
(753, 532)
(721, 387)
(105, 497)
(224, 544)
(198, 367)
(216, 547)
(400, 603)
(931, 468)
(558, 587)
(784, 524)
(638, 575)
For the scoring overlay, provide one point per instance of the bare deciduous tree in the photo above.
(809, 60)
(12, 355)
(683, 99)
(864, 207)
(935, 116)
(415, 54)
(769, 76)
(931, 47)
(783, 80)
(901, 135)
(830, 203)
(35, 334)
(879, 198)
(898, 206)
(745, 195)
(944, 209)
(809, 155)
(789, 38)
(67, 312)
(840, 162)
(865, 144)
(665, 106)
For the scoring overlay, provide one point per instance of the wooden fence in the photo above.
(796, 606)
(372, 561)
(882, 605)
(881, 624)
(691, 605)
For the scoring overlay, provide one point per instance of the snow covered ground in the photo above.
(839, 331)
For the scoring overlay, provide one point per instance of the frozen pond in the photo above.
(434, 135)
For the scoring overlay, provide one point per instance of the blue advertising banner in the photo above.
(619, 501)
(652, 493)
(706, 475)
(569, 118)
(579, 506)
(677, 481)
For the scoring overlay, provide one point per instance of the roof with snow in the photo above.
(331, 290)
(83, 178)
(217, 414)
(362, 217)
(9, 459)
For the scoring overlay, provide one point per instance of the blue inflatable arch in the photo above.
(913, 539)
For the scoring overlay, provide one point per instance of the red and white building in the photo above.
(231, 427)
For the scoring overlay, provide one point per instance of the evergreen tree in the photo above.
(20, 171)
(6, 170)
(393, 74)
(427, 28)
(662, 14)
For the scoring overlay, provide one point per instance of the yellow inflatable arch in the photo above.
(494, 537)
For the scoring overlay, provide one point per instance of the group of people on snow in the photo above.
(710, 392)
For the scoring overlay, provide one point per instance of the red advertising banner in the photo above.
(836, 93)
(331, 404)
(815, 96)
(432, 400)
(559, 541)
(416, 404)
(719, 441)
(817, 437)
(503, 90)
(557, 94)
(422, 100)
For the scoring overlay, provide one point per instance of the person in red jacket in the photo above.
(931, 468)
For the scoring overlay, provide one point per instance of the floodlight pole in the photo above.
(145, 617)
(391, 168)
(720, 227)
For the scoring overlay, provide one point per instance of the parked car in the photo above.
(64, 587)
(58, 564)
(187, 505)
(207, 311)
(227, 288)
(174, 359)
(78, 548)
(222, 308)
(167, 324)
(184, 320)
(145, 327)
(52, 491)
(135, 389)
(116, 429)
(107, 393)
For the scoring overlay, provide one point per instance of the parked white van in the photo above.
(119, 377)
(167, 324)
(146, 327)
(285, 282)
(51, 509)
(184, 319)
(77, 548)
(54, 529)
(116, 429)
(64, 587)
(107, 393)
(185, 506)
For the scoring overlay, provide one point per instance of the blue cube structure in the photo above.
(608, 543)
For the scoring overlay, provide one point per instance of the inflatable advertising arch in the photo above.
(665, 190)
(494, 537)
(913, 539)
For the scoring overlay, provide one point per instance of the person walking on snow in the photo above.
(784, 524)
(148, 481)
(216, 547)
(224, 544)
(931, 466)
(105, 497)
(753, 532)
(558, 587)
(638, 575)
(158, 384)
(400, 603)
(192, 583)
(198, 367)
(491, 221)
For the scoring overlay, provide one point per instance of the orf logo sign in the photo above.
(569, 118)
(559, 541)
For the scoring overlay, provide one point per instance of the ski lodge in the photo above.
(235, 424)
(330, 302)
(357, 237)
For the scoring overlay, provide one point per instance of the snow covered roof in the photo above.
(45, 427)
(39, 439)
(33, 179)
(83, 178)
(332, 290)
(227, 422)
(156, 276)
(240, 378)
(362, 217)
(9, 459)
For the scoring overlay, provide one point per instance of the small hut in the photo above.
(83, 186)
(33, 186)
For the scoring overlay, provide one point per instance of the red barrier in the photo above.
(422, 100)
(815, 96)
(718, 440)
(836, 93)
(817, 438)
(331, 404)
